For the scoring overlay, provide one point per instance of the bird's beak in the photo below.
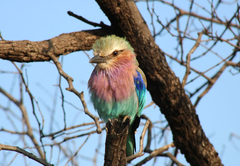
(99, 59)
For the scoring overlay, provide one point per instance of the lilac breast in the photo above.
(112, 85)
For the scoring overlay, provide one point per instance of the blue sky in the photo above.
(218, 111)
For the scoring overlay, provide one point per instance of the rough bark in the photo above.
(165, 88)
(28, 51)
(115, 146)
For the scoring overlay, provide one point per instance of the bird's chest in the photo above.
(112, 87)
(113, 96)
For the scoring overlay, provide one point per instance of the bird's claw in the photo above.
(110, 121)
(126, 119)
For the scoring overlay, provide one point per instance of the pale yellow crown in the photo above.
(106, 45)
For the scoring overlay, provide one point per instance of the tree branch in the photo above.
(28, 51)
(165, 88)
(189, 57)
(26, 119)
(72, 89)
(115, 146)
(25, 153)
(140, 153)
(155, 153)
(102, 25)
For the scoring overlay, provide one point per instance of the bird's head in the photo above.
(109, 51)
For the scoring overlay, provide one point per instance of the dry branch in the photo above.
(26, 119)
(28, 51)
(155, 153)
(25, 153)
(115, 146)
(140, 153)
(72, 89)
(189, 57)
(165, 88)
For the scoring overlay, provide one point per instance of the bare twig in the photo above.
(196, 71)
(183, 12)
(25, 153)
(189, 57)
(26, 118)
(102, 25)
(77, 150)
(150, 104)
(63, 108)
(155, 153)
(130, 158)
(149, 134)
(173, 158)
(72, 89)
(53, 135)
(1, 36)
(13, 132)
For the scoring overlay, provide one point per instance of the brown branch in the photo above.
(67, 154)
(164, 87)
(102, 25)
(72, 89)
(184, 64)
(214, 79)
(71, 158)
(32, 99)
(189, 57)
(25, 153)
(13, 132)
(150, 104)
(140, 153)
(96, 119)
(210, 69)
(149, 135)
(68, 138)
(26, 119)
(183, 12)
(28, 51)
(115, 146)
(173, 157)
(68, 128)
(155, 153)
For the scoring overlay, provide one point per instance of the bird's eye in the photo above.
(115, 53)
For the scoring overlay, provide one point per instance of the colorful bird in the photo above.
(117, 85)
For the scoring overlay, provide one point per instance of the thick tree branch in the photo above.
(28, 51)
(165, 88)
(115, 146)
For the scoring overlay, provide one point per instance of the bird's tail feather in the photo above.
(131, 144)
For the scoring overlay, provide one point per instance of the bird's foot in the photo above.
(126, 119)
(110, 121)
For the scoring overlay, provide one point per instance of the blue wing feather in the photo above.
(141, 91)
(140, 88)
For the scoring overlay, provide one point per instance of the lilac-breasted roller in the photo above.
(117, 85)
